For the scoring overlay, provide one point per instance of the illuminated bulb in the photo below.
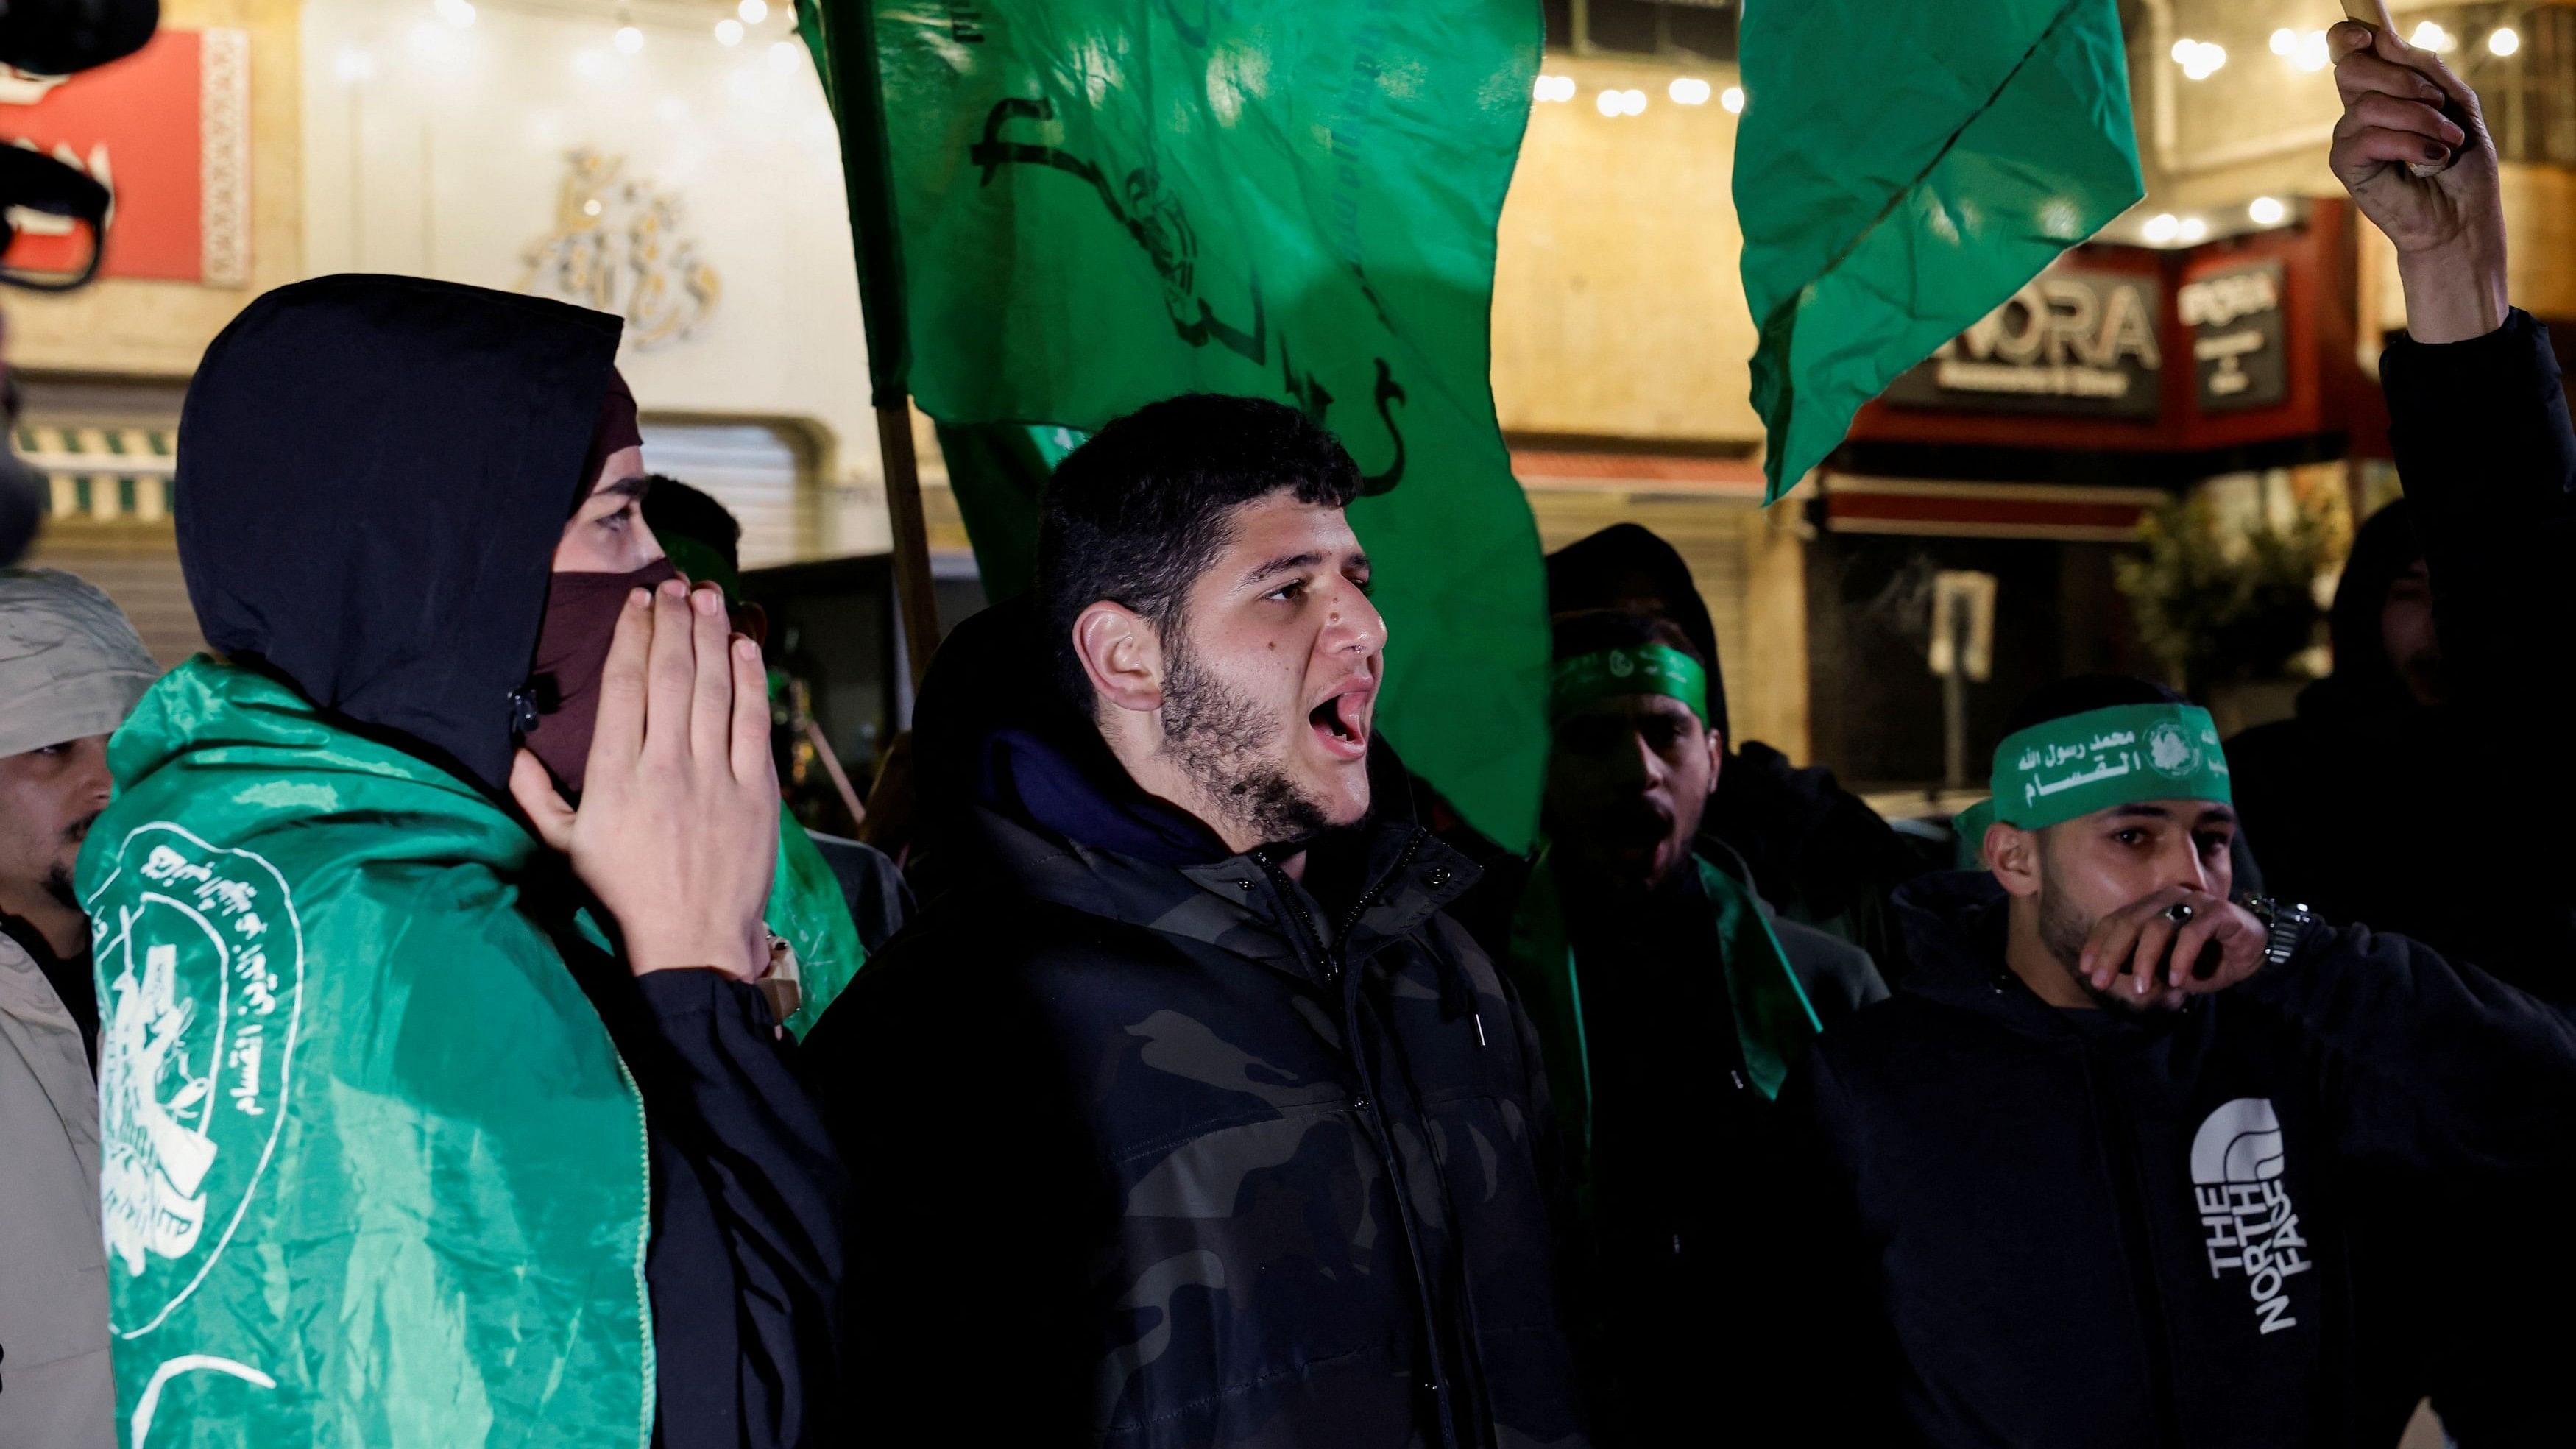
(728, 31)
(2204, 61)
(589, 64)
(2184, 49)
(590, 207)
(2266, 211)
(2284, 41)
(1688, 90)
(2312, 51)
(2429, 35)
(629, 40)
(782, 56)
(752, 11)
(1609, 103)
(1733, 99)
(2192, 229)
(1554, 88)
(1634, 102)
(2504, 41)
(2161, 227)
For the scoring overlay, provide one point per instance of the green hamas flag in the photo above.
(1069, 208)
(1902, 170)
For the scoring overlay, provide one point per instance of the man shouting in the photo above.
(1210, 1127)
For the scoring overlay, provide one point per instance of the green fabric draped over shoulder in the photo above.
(1773, 1020)
(808, 912)
(372, 1172)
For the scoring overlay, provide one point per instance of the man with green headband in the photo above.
(1671, 1001)
(2101, 1172)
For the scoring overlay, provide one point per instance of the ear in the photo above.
(1122, 654)
(2012, 854)
(1716, 757)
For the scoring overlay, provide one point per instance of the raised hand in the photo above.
(677, 833)
(2413, 149)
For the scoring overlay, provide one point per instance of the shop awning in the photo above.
(105, 474)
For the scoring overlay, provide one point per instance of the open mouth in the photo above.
(1341, 723)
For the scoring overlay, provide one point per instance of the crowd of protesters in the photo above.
(1207, 1081)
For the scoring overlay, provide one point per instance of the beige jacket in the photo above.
(55, 1388)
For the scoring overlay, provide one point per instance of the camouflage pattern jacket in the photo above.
(1172, 1155)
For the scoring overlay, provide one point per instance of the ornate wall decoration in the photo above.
(617, 247)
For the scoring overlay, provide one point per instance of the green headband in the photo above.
(2125, 755)
(1628, 669)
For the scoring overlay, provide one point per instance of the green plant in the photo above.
(2216, 603)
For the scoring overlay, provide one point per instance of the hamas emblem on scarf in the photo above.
(204, 963)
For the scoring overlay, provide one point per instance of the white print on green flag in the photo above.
(1902, 170)
(1067, 209)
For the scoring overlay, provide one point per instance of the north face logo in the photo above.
(2251, 1226)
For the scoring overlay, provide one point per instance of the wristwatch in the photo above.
(2283, 923)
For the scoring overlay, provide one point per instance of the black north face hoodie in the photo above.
(2053, 1228)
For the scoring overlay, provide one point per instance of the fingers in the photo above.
(2374, 144)
(2155, 943)
(2363, 73)
(751, 758)
(671, 672)
(545, 808)
(617, 736)
(2376, 112)
(2181, 971)
(711, 703)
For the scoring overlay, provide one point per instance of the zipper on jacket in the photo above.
(1290, 898)
(2128, 1195)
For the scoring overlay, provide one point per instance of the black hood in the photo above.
(1625, 562)
(2364, 679)
(373, 473)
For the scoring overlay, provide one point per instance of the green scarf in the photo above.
(1773, 1020)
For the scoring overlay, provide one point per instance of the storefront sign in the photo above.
(2069, 344)
(167, 131)
(2236, 338)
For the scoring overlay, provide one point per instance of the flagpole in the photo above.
(918, 602)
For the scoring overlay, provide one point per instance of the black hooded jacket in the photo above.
(2446, 823)
(2107, 1229)
(373, 473)
(1173, 1150)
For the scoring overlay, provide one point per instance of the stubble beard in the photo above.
(2064, 930)
(1224, 745)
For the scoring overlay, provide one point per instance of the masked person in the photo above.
(1218, 1131)
(70, 669)
(2093, 1175)
(423, 1126)
(1816, 851)
(1672, 1001)
(704, 542)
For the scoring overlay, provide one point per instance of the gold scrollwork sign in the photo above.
(616, 247)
